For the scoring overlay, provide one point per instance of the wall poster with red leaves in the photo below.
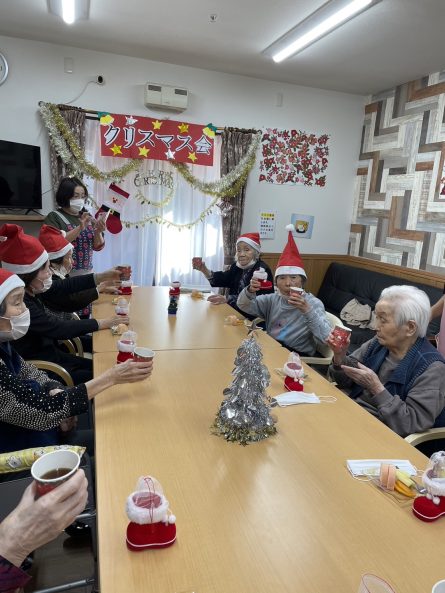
(294, 156)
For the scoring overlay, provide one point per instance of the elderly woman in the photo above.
(30, 402)
(239, 275)
(25, 256)
(398, 376)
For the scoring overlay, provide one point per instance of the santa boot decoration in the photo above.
(432, 506)
(151, 523)
(112, 207)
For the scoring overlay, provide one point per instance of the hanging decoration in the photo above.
(231, 184)
(160, 219)
(125, 136)
(74, 159)
(293, 156)
(71, 153)
(151, 178)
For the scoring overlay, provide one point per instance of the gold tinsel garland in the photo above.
(70, 152)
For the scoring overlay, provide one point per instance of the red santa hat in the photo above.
(290, 262)
(112, 207)
(252, 239)
(20, 253)
(8, 281)
(53, 240)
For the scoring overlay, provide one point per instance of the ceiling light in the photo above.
(318, 24)
(70, 10)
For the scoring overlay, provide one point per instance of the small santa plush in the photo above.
(152, 525)
(432, 506)
(294, 372)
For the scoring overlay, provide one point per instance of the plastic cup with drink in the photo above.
(54, 468)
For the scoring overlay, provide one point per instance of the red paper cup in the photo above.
(126, 271)
(297, 290)
(265, 284)
(197, 262)
(52, 469)
(143, 354)
(341, 335)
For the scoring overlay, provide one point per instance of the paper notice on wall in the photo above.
(267, 225)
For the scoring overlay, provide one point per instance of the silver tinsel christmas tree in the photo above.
(244, 415)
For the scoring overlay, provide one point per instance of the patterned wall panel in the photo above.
(399, 214)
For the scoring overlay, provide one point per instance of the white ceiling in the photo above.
(393, 42)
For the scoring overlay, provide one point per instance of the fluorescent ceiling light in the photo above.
(324, 20)
(70, 10)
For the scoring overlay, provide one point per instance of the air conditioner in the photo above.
(162, 96)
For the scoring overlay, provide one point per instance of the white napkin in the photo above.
(371, 467)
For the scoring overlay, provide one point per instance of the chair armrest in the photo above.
(428, 435)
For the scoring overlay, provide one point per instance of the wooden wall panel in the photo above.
(316, 265)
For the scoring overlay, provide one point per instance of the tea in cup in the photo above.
(54, 468)
(143, 354)
(341, 335)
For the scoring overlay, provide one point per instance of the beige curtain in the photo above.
(75, 118)
(235, 143)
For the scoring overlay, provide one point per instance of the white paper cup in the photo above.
(143, 354)
(439, 587)
(45, 470)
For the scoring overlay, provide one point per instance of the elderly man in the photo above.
(398, 376)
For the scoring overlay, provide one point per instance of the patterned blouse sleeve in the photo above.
(25, 399)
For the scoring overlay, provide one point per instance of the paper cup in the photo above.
(341, 335)
(126, 271)
(197, 262)
(371, 583)
(52, 469)
(297, 290)
(439, 587)
(143, 354)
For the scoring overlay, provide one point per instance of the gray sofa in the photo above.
(342, 283)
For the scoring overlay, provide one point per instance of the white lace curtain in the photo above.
(158, 254)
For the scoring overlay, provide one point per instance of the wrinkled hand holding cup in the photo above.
(54, 468)
(143, 354)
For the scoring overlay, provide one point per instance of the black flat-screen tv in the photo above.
(20, 176)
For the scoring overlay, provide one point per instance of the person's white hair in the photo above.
(410, 304)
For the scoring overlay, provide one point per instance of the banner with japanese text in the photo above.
(131, 137)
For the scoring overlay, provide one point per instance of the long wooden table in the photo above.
(197, 325)
(282, 515)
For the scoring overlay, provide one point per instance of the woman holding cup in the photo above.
(238, 276)
(32, 405)
(398, 376)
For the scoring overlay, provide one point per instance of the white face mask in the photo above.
(46, 285)
(19, 327)
(77, 204)
(64, 270)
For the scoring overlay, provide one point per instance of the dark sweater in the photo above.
(45, 329)
(236, 279)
